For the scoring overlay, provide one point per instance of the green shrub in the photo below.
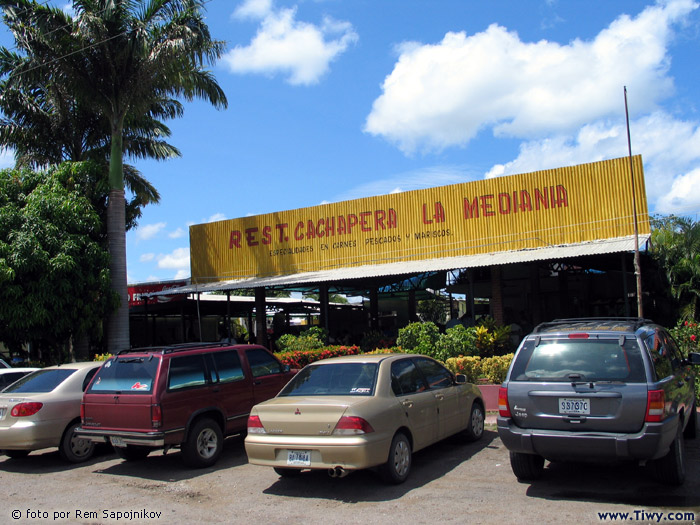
(311, 339)
(419, 338)
(470, 366)
(495, 369)
(456, 341)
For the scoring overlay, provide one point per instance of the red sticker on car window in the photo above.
(139, 386)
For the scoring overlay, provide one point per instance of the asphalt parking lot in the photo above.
(451, 482)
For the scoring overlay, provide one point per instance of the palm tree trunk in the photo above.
(118, 323)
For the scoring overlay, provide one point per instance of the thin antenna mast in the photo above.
(637, 268)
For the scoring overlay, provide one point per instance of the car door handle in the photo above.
(439, 397)
(257, 382)
(407, 403)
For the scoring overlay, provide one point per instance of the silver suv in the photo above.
(599, 389)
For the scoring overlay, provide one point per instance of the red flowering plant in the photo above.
(298, 359)
(687, 335)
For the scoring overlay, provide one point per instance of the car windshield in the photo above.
(580, 360)
(126, 375)
(337, 379)
(40, 381)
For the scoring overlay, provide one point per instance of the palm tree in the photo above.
(119, 57)
(45, 127)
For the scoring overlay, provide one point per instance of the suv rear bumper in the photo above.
(651, 442)
(146, 439)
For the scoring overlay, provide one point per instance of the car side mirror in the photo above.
(694, 358)
(460, 379)
(285, 368)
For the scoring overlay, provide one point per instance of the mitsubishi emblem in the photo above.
(297, 412)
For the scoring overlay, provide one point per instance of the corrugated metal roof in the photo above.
(603, 246)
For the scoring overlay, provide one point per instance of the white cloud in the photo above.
(182, 274)
(442, 95)
(255, 9)
(670, 150)
(147, 257)
(300, 50)
(413, 180)
(147, 232)
(177, 233)
(178, 259)
(216, 217)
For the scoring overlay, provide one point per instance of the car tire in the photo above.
(475, 427)
(398, 464)
(75, 449)
(204, 444)
(691, 429)
(132, 452)
(670, 469)
(526, 467)
(16, 454)
(283, 472)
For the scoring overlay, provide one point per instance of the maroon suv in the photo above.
(187, 396)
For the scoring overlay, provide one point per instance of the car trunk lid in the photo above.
(302, 416)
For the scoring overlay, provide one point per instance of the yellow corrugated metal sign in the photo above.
(546, 208)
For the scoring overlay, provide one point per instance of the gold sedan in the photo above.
(355, 412)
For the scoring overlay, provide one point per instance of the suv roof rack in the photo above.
(180, 347)
(634, 321)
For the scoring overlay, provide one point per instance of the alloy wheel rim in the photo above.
(80, 447)
(207, 442)
(401, 458)
(477, 422)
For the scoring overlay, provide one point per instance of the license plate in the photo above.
(117, 441)
(574, 406)
(299, 458)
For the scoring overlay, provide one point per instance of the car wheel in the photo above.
(398, 465)
(16, 454)
(475, 428)
(287, 472)
(203, 445)
(526, 466)
(73, 448)
(691, 429)
(670, 469)
(132, 452)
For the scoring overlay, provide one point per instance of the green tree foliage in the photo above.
(675, 244)
(54, 282)
(120, 58)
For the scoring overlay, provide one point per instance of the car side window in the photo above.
(186, 372)
(88, 377)
(262, 363)
(435, 374)
(228, 366)
(405, 378)
(660, 355)
(674, 353)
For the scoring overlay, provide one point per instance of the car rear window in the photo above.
(579, 360)
(40, 381)
(339, 379)
(126, 375)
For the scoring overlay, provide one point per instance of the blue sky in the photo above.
(340, 99)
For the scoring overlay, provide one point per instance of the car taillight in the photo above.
(578, 336)
(255, 426)
(503, 408)
(26, 409)
(82, 412)
(656, 406)
(156, 416)
(352, 425)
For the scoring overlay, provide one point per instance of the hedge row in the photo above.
(300, 358)
(492, 369)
